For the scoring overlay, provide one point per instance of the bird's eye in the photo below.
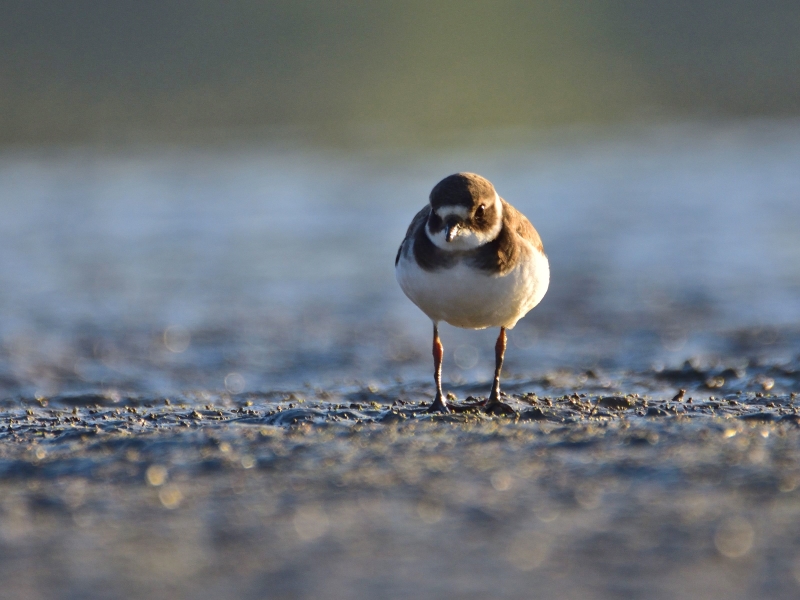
(479, 212)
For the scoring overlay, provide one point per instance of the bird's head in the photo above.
(466, 212)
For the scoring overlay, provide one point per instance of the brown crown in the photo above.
(461, 189)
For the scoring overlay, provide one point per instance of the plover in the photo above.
(472, 260)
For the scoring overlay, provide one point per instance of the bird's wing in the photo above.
(418, 221)
(518, 223)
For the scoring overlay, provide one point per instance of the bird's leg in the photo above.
(494, 405)
(438, 352)
(499, 354)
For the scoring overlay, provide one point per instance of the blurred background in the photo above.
(89, 70)
(209, 195)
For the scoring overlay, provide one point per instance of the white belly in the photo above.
(467, 297)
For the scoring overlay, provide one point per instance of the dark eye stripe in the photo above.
(434, 222)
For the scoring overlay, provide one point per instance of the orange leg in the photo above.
(438, 353)
(499, 354)
(494, 405)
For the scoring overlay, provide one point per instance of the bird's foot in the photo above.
(438, 406)
(494, 406)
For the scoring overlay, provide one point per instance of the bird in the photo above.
(471, 259)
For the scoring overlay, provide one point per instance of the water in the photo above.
(272, 267)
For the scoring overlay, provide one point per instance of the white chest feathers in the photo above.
(467, 297)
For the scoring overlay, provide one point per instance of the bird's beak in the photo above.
(451, 230)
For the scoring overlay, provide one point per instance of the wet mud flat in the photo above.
(600, 486)
(140, 276)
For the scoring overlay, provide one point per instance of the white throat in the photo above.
(465, 238)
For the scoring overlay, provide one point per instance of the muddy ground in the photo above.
(211, 385)
(586, 492)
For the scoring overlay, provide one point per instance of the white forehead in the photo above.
(446, 211)
(460, 211)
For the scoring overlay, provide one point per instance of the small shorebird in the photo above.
(471, 259)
